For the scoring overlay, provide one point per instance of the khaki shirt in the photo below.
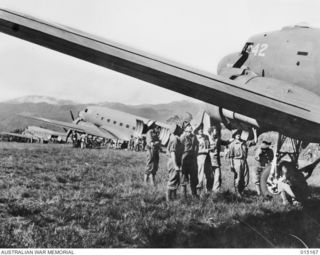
(204, 144)
(152, 139)
(238, 150)
(175, 146)
(190, 143)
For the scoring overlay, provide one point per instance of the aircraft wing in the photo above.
(82, 127)
(253, 102)
(17, 135)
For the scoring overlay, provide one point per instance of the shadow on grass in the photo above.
(295, 228)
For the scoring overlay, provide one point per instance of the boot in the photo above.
(169, 195)
(174, 194)
(194, 193)
(184, 191)
(258, 189)
(296, 202)
(146, 177)
(237, 192)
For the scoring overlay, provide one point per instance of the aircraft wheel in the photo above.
(267, 186)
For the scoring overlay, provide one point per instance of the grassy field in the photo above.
(54, 196)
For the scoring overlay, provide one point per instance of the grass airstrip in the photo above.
(55, 196)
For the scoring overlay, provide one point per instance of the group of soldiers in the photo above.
(83, 140)
(137, 143)
(194, 160)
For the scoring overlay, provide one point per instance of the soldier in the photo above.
(153, 147)
(292, 184)
(264, 156)
(175, 151)
(131, 143)
(189, 160)
(137, 144)
(74, 137)
(203, 160)
(214, 153)
(238, 152)
(83, 140)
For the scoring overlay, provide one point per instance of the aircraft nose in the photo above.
(227, 62)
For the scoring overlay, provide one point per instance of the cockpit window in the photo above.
(247, 47)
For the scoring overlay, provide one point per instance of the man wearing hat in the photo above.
(174, 151)
(238, 153)
(214, 152)
(189, 171)
(263, 156)
(203, 160)
(153, 147)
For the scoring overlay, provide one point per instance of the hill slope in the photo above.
(11, 121)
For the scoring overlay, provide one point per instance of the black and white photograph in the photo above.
(159, 124)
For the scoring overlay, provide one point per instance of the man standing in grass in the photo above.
(263, 156)
(175, 151)
(214, 151)
(83, 139)
(203, 160)
(153, 148)
(238, 153)
(189, 172)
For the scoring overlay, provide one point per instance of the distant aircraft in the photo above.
(108, 123)
(271, 85)
(38, 134)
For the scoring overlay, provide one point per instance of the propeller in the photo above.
(74, 121)
(72, 117)
(68, 134)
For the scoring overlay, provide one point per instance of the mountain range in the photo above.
(53, 108)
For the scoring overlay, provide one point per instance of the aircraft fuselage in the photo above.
(286, 63)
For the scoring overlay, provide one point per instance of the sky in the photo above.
(194, 33)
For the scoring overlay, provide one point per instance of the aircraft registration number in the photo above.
(259, 49)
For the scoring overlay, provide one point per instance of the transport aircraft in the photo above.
(272, 84)
(108, 123)
(38, 134)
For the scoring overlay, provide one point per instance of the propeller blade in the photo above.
(68, 134)
(72, 117)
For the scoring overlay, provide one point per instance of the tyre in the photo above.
(267, 188)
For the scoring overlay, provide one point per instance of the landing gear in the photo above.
(270, 175)
(267, 187)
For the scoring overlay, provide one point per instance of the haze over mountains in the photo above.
(53, 108)
(39, 99)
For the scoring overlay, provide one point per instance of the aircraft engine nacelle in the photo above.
(213, 114)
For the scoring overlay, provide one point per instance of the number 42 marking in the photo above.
(259, 49)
